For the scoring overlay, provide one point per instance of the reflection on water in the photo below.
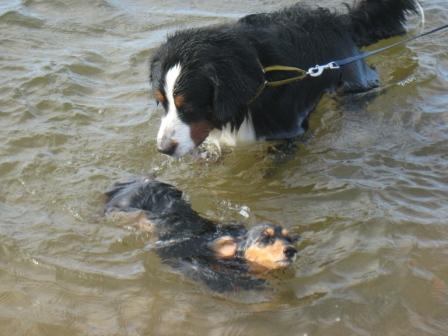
(367, 191)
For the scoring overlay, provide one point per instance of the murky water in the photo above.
(367, 191)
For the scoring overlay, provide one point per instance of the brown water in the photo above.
(368, 191)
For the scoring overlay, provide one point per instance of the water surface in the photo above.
(367, 191)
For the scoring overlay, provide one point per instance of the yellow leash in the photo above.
(318, 70)
(301, 74)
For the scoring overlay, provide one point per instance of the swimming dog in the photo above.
(226, 257)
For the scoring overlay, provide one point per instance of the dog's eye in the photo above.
(292, 239)
(266, 239)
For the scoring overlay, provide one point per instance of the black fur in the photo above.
(222, 65)
(373, 20)
(184, 238)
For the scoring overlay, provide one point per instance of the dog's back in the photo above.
(374, 20)
(162, 204)
(368, 21)
(319, 35)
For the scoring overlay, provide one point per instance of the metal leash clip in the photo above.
(318, 70)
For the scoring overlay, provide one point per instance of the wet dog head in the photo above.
(269, 247)
(204, 79)
(264, 247)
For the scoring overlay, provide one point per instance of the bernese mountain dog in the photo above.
(209, 80)
(225, 257)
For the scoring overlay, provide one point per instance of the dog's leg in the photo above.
(137, 219)
(359, 101)
(281, 153)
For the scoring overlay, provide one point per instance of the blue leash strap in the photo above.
(317, 70)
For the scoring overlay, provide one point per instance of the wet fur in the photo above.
(187, 241)
(222, 65)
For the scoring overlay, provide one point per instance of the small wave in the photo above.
(17, 18)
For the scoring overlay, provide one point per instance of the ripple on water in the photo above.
(17, 18)
(367, 190)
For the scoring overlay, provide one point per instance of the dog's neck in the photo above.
(232, 136)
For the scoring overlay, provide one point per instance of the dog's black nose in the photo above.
(168, 149)
(290, 252)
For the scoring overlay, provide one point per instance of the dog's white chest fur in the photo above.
(243, 135)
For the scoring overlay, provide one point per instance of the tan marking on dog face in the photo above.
(224, 247)
(285, 232)
(269, 257)
(159, 96)
(199, 131)
(269, 232)
(179, 100)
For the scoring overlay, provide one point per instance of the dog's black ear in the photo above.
(236, 80)
(155, 71)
